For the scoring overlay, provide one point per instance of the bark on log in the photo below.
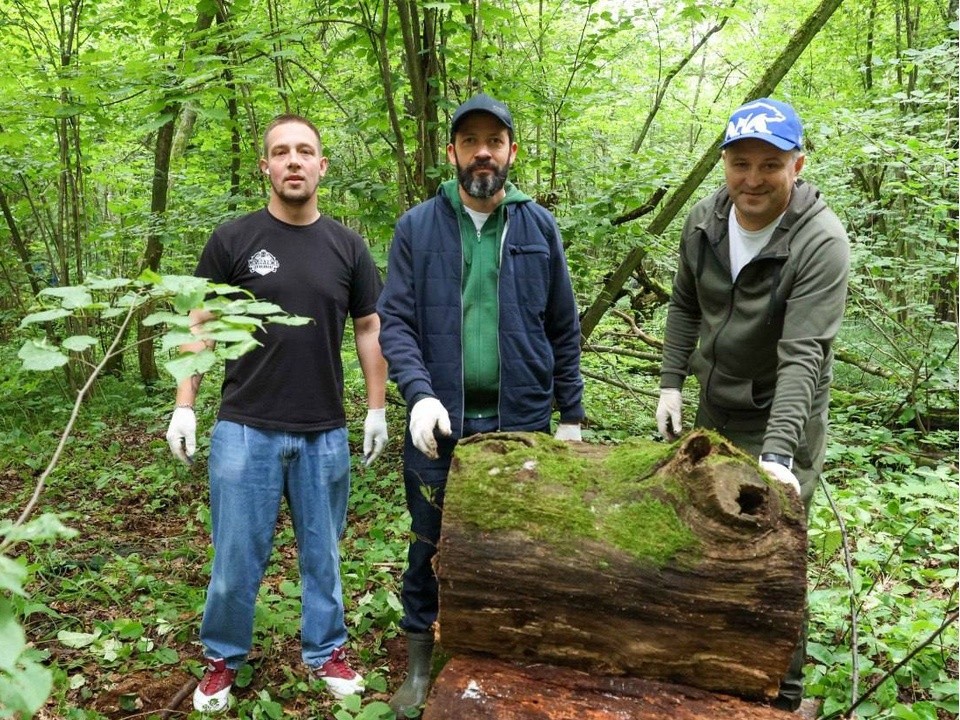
(485, 689)
(683, 563)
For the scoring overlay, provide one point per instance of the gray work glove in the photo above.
(425, 416)
(374, 435)
(182, 434)
(781, 473)
(569, 432)
(668, 413)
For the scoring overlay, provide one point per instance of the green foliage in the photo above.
(25, 684)
(80, 116)
(24, 681)
(900, 515)
(235, 316)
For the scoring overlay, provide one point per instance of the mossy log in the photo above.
(487, 689)
(683, 563)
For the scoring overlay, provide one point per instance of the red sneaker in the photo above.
(213, 691)
(340, 678)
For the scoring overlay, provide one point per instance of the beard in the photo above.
(482, 187)
(293, 197)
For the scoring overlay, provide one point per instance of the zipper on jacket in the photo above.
(716, 337)
(503, 244)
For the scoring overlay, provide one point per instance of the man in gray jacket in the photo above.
(757, 301)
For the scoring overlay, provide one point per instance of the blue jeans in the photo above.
(251, 469)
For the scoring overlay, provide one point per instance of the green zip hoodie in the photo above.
(481, 270)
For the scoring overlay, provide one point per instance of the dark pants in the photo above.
(425, 481)
(808, 464)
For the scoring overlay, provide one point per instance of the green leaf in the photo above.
(27, 690)
(294, 320)
(12, 638)
(41, 356)
(77, 639)
(232, 352)
(242, 320)
(191, 364)
(108, 283)
(71, 296)
(79, 343)
(173, 339)
(45, 527)
(228, 335)
(12, 576)
(166, 656)
(259, 307)
(244, 675)
(44, 316)
(178, 320)
(128, 629)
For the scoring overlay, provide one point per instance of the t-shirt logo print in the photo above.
(755, 122)
(263, 263)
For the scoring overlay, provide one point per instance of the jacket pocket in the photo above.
(733, 393)
(529, 266)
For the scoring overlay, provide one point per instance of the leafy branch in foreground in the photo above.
(25, 683)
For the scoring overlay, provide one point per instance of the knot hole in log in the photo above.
(697, 447)
(751, 500)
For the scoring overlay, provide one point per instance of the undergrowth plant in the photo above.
(65, 315)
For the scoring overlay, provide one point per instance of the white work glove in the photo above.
(374, 435)
(568, 432)
(182, 434)
(668, 413)
(781, 473)
(427, 414)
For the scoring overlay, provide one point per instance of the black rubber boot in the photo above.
(413, 692)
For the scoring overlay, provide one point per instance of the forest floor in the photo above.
(115, 610)
(141, 555)
(132, 581)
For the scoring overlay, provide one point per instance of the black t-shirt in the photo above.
(323, 271)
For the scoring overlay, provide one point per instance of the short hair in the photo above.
(290, 118)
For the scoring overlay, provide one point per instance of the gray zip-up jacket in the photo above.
(764, 357)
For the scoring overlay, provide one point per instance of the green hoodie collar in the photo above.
(451, 188)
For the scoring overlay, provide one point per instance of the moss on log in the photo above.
(683, 562)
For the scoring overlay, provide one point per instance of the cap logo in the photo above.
(755, 121)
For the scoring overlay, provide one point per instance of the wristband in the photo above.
(784, 460)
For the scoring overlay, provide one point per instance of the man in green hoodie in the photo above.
(756, 304)
(481, 333)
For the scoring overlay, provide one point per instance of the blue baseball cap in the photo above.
(769, 120)
(481, 103)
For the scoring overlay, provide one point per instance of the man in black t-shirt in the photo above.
(281, 427)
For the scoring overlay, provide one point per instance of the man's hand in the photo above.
(374, 435)
(781, 473)
(569, 432)
(425, 416)
(182, 434)
(668, 413)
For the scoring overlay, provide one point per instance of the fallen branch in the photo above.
(174, 703)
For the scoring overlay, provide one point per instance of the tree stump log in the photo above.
(486, 689)
(683, 563)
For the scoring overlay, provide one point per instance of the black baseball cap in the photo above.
(482, 103)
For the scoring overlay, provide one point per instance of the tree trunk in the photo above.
(423, 70)
(485, 689)
(153, 252)
(683, 563)
(774, 74)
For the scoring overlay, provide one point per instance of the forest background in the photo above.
(129, 130)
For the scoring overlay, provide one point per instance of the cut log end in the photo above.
(487, 689)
